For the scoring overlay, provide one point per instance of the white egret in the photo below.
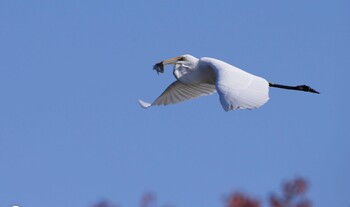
(198, 77)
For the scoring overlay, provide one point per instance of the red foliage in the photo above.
(293, 195)
(105, 204)
(294, 188)
(240, 200)
(148, 200)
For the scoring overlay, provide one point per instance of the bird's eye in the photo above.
(181, 58)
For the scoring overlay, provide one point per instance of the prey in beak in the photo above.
(159, 67)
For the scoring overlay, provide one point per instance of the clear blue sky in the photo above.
(72, 132)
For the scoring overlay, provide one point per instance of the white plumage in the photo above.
(198, 77)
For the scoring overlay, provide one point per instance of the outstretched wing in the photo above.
(238, 89)
(178, 92)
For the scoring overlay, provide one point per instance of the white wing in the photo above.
(178, 92)
(238, 89)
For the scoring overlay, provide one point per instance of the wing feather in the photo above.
(178, 92)
(238, 89)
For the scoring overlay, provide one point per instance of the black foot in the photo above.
(306, 89)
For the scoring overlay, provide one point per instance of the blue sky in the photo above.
(72, 132)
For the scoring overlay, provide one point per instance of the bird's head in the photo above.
(183, 60)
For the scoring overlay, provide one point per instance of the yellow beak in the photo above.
(171, 60)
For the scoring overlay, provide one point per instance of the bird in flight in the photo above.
(195, 77)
